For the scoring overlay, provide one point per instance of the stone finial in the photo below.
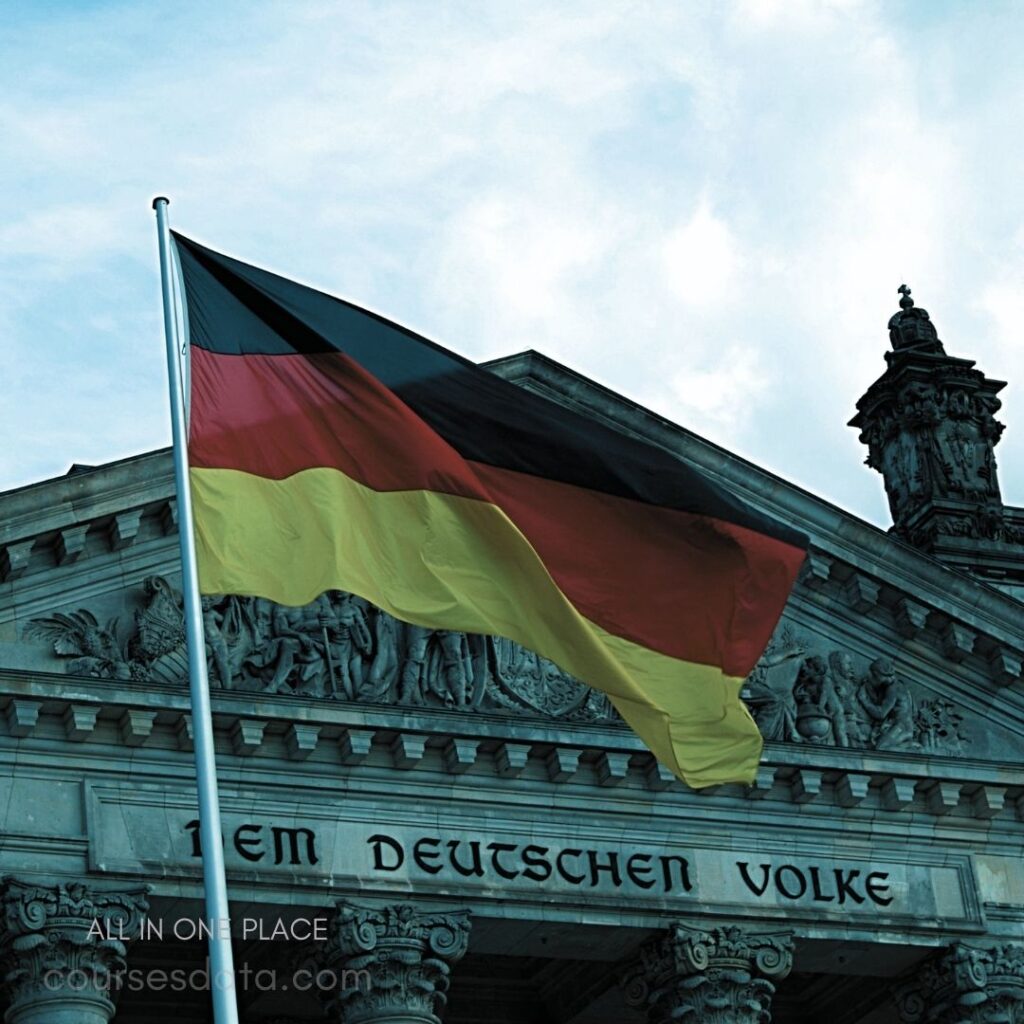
(60, 947)
(965, 985)
(911, 329)
(722, 975)
(393, 964)
(930, 429)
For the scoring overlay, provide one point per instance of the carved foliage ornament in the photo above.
(51, 932)
(966, 985)
(394, 962)
(719, 975)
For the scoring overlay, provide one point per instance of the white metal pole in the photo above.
(222, 979)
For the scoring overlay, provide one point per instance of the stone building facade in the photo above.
(425, 826)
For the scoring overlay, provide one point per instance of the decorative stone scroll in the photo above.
(966, 985)
(722, 975)
(60, 947)
(393, 964)
(798, 695)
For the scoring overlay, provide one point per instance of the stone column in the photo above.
(393, 965)
(966, 985)
(59, 948)
(720, 975)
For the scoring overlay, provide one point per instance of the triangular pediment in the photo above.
(881, 650)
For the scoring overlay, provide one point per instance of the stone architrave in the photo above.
(61, 947)
(722, 975)
(966, 985)
(392, 965)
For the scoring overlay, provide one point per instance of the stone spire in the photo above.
(930, 428)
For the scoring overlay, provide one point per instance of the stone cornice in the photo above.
(50, 505)
(102, 717)
(832, 530)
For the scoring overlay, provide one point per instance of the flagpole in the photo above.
(222, 975)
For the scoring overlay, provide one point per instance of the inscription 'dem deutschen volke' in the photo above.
(494, 862)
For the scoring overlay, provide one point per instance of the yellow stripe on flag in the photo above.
(449, 562)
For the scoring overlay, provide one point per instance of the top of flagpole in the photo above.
(160, 199)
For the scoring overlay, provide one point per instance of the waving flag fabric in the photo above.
(333, 449)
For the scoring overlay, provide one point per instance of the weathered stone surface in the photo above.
(838, 699)
(966, 985)
(930, 428)
(60, 947)
(722, 975)
(393, 964)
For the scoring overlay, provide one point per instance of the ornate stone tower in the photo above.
(930, 427)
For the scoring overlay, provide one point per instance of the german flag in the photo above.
(331, 449)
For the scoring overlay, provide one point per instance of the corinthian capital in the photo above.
(719, 975)
(60, 945)
(966, 985)
(393, 964)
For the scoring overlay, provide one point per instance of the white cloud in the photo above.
(701, 259)
(723, 394)
(706, 207)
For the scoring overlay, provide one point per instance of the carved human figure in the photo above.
(820, 716)
(349, 641)
(887, 703)
(411, 684)
(384, 665)
(772, 707)
(457, 669)
(856, 729)
(449, 678)
(216, 643)
(276, 656)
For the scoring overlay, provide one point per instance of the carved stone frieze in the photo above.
(338, 647)
(393, 964)
(60, 947)
(966, 985)
(721, 975)
(154, 648)
(799, 694)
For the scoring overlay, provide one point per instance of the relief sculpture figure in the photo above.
(888, 705)
(349, 643)
(285, 647)
(383, 668)
(855, 727)
(772, 707)
(438, 662)
(820, 715)
(218, 659)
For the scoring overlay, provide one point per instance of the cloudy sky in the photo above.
(705, 206)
